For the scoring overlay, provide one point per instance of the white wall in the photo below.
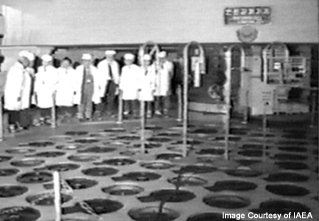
(136, 21)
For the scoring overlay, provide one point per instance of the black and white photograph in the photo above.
(159, 110)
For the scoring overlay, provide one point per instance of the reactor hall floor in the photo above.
(105, 176)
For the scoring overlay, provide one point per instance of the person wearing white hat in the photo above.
(163, 84)
(110, 76)
(45, 84)
(65, 89)
(147, 84)
(87, 88)
(129, 84)
(17, 91)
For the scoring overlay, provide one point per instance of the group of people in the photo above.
(87, 86)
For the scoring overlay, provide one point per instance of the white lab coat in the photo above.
(45, 86)
(65, 87)
(147, 83)
(130, 82)
(96, 98)
(163, 79)
(103, 68)
(17, 88)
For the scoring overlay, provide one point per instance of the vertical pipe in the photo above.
(142, 114)
(245, 121)
(120, 108)
(227, 99)
(264, 129)
(185, 100)
(1, 118)
(313, 107)
(179, 101)
(57, 195)
(53, 112)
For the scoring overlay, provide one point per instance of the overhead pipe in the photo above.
(185, 88)
(265, 53)
(227, 89)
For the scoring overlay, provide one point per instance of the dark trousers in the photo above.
(109, 101)
(85, 109)
(162, 103)
(20, 118)
(131, 106)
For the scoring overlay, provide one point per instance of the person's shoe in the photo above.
(12, 129)
(149, 114)
(159, 113)
(126, 113)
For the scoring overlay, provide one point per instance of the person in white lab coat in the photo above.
(65, 88)
(45, 84)
(17, 91)
(87, 88)
(110, 78)
(129, 84)
(147, 84)
(164, 76)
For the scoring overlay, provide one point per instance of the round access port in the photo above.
(8, 171)
(46, 199)
(281, 206)
(211, 151)
(196, 168)
(168, 195)
(86, 140)
(48, 154)
(5, 158)
(205, 130)
(68, 147)
(159, 139)
(34, 177)
(20, 150)
(76, 133)
(27, 162)
(114, 129)
(116, 162)
(153, 213)
(232, 185)
(100, 171)
(75, 183)
(286, 177)
(209, 217)
(169, 156)
(123, 189)
(60, 167)
(19, 213)
(287, 190)
(243, 172)
(12, 190)
(291, 165)
(157, 165)
(44, 143)
(83, 157)
(95, 206)
(96, 149)
(187, 180)
(137, 176)
(226, 201)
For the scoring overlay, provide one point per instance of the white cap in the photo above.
(110, 52)
(27, 55)
(46, 57)
(147, 57)
(86, 57)
(129, 56)
(162, 54)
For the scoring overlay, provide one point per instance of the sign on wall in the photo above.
(247, 15)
